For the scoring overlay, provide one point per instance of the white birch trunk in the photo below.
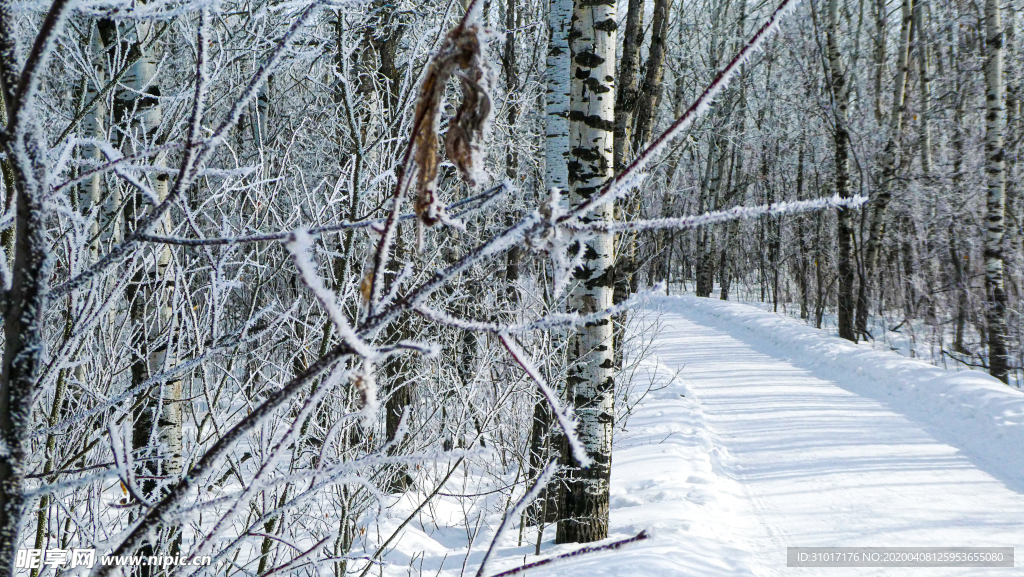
(925, 86)
(996, 182)
(157, 434)
(556, 150)
(591, 380)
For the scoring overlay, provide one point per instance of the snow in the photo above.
(759, 433)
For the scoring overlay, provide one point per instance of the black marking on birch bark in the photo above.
(583, 272)
(608, 25)
(586, 154)
(605, 279)
(576, 174)
(592, 120)
(595, 86)
(588, 59)
(150, 99)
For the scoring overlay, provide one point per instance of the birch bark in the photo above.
(996, 182)
(545, 439)
(591, 381)
(556, 151)
(841, 138)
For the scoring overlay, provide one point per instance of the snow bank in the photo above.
(969, 409)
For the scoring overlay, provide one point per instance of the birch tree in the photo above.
(995, 121)
(841, 136)
(590, 381)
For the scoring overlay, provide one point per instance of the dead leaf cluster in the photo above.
(461, 55)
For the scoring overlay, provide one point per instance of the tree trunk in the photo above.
(508, 66)
(26, 302)
(888, 176)
(556, 76)
(998, 360)
(925, 86)
(590, 382)
(841, 136)
(654, 68)
(628, 85)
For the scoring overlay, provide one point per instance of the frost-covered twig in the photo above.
(514, 513)
(545, 323)
(35, 65)
(196, 154)
(167, 376)
(564, 421)
(305, 558)
(300, 246)
(633, 174)
(164, 510)
(466, 206)
(577, 553)
(735, 213)
(225, 520)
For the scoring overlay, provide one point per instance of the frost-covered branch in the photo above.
(196, 153)
(633, 174)
(565, 421)
(708, 218)
(516, 512)
(460, 208)
(614, 546)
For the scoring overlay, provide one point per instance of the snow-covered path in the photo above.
(756, 433)
(805, 444)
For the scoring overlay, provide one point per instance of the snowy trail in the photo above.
(756, 433)
(821, 455)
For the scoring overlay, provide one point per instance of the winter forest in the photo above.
(308, 287)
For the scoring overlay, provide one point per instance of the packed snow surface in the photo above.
(759, 433)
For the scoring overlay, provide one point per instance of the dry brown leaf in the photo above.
(461, 51)
(466, 130)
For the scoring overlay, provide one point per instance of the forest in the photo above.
(275, 271)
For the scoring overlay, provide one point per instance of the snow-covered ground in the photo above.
(760, 434)
(892, 331)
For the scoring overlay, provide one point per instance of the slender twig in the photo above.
(538, 485)
(622, 182)
(577, 553)
(475, 202)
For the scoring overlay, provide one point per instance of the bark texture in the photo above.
(995, 120)
(841, 138)
(887, 179)
(591, 381)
